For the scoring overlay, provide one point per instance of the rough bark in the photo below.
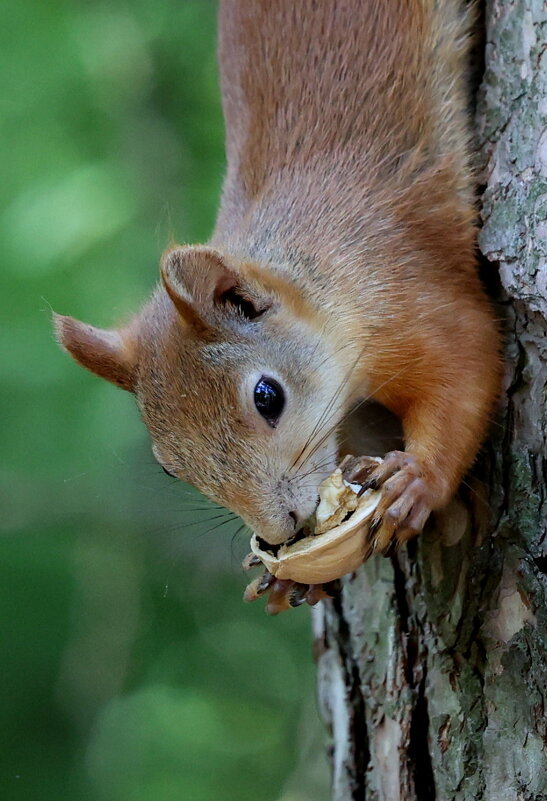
(433, 665)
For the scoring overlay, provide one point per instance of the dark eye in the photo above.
(269, 400)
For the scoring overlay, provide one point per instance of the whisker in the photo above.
(324, 420)
(210, 531)
(235, 535)
(354, 408)
(318, 423)
(315, 469)
(183, 525)
(177, 510)
(328, 407)
(486, 504)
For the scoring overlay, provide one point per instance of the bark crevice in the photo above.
(357, 729)
(419, 747)
(443, 650)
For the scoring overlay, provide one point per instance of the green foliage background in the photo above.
(131, 671)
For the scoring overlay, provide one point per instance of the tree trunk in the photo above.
(433, 665)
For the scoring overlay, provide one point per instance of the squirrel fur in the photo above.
(342, 266)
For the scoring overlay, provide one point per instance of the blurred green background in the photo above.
(131, 670)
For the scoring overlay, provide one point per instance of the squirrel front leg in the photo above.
(444, 415)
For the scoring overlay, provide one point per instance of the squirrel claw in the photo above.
(405, 504)
(298, 595)
(258, 587)
(391, 548)
(358, 469)
(375, 524)
(250, 561)
(279, 597)
(316, 593)
(286, 594)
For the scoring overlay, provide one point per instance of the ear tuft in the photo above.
(108, 354)
(249, 307)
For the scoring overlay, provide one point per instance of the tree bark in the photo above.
(433, 665)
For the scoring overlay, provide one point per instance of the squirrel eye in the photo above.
(269, 400)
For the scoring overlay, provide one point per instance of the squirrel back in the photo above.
(373, 92)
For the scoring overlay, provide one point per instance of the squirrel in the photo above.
(342, 267)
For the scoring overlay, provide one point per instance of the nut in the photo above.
(325, 556)
(337, 499)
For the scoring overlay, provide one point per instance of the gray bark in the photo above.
(433, 665)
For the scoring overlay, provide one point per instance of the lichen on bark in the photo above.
(433, 665)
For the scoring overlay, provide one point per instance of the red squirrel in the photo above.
(342, 267)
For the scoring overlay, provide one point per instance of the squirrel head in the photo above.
(235, 375)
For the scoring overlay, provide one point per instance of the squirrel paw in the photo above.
(406, 499)
(285, 594)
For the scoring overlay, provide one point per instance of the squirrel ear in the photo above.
(198, 281)
(108, 354)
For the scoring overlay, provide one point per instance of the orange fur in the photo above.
(347, 224)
